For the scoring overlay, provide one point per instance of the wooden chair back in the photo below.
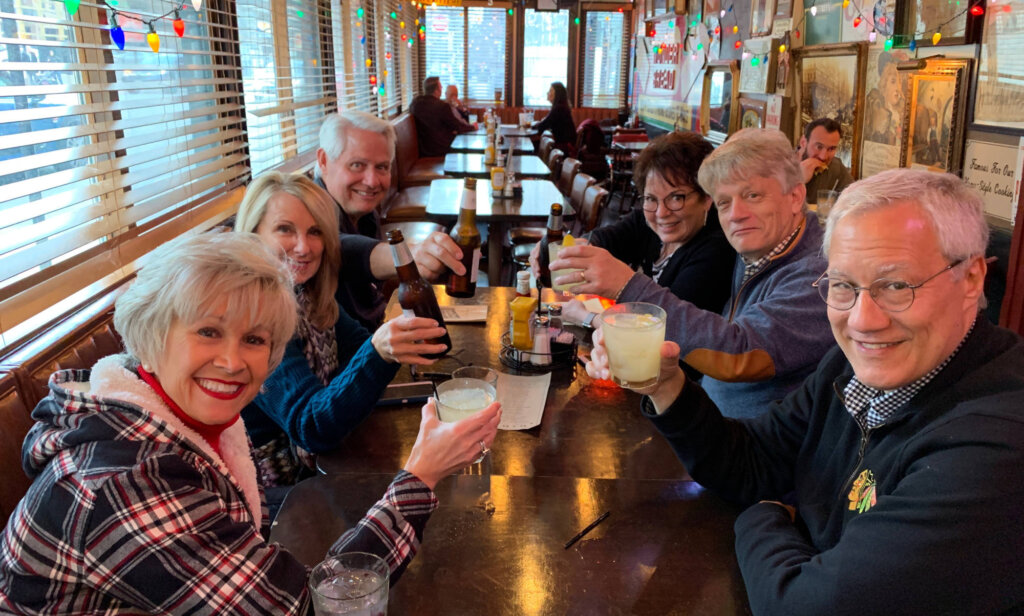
(555, 158)
(595, 199)
(547, 142)
(570, 168)
(580, 184)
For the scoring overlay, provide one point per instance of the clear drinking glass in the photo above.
(826, 199)
(462, 395)
(470, 390)
(553, 250)
(353, 583)
(633, 333)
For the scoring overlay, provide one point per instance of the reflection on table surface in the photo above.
(590, 428)
(472, 165)
(470, 142)
(495, 545)
(533, 202)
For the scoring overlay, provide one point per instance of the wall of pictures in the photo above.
(914, 83)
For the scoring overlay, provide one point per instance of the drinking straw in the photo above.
(589, 527)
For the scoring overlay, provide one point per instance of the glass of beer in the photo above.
(633, 333)
(354, 583)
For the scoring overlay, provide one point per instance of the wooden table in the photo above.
(534, 203)
(495, 545)
(463, 165)
(509, 130)
(475, 144)
(590, 429)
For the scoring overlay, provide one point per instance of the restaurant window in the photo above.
(604, 60)
(394, 55)
(287, 92)
(545, 54)
(353, 44)
(477, 64)
(107, 153)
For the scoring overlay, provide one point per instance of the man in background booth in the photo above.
(354, 166)
(821, 169)
(436, 125)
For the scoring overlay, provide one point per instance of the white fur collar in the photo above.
(111, 379)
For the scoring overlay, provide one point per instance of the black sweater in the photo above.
(946, 531)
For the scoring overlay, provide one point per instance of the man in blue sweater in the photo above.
(773, 330)
(904, 452)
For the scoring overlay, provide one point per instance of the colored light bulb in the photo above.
(872, 36)
(782, 48)
(888, 44)
(936, 38)
(71, 6)
(117, 35)
(196, 4)
(154, 41)
(814, 11)
(738, 44)
(977, 10)
(913, 45)
(856, 21)
(179, 27)
(755, 61)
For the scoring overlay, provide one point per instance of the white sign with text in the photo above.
(991, 168)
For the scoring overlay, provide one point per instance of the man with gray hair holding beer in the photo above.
(901, 458)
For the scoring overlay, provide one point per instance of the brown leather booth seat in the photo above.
(410, 169)
(75, 342)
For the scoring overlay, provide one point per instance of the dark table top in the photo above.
(495, 545)
(590, 429)
(534, 203)
(472, 165)
(471, 143)
(632, 146)
(509, 130)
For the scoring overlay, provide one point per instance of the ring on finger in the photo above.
(583, 276)
(484, 449)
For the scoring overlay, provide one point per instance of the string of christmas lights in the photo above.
(117, 34)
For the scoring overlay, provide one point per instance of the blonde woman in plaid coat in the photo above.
(145, 497)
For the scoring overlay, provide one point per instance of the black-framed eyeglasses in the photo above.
(890, 294)
(673, 202)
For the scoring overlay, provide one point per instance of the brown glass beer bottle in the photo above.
(553, 236)
(467, 238)
(415, 295)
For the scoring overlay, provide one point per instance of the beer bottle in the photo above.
(467, 238)
(415, 295)
(552, 236)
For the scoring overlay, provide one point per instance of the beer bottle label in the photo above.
(406, 312)
(476, 266)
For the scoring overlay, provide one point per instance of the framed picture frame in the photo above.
(762, 12)
(758, 78)
(752, 113)
(783, 9)
(829, 84)
(887, 92)
(719, 103)
(919, 20)
(934, 121)
(998, 100)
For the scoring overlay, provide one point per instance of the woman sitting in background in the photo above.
(333, 371)
(145, 497)
(559, 120)
(672, 239)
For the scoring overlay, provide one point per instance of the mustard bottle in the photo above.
(521, 309)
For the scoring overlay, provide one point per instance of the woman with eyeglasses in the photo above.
(672, 238)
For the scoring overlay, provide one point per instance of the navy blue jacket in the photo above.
(941, 533)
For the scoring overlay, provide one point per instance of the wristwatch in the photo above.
(588, 321)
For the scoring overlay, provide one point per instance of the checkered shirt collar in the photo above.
(751, 268)
(871, 407)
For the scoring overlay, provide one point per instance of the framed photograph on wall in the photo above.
(762, 12)
(761, 76)
(999, 98)
(885, 104)
(752, 113)
(921, 19)
(935, 116)
(829, 84)
(718, 115)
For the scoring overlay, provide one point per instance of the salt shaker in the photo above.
(541, 355)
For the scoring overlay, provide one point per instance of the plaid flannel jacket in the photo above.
(132, 512)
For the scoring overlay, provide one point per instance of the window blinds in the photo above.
(605, 58)
(108, 153)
